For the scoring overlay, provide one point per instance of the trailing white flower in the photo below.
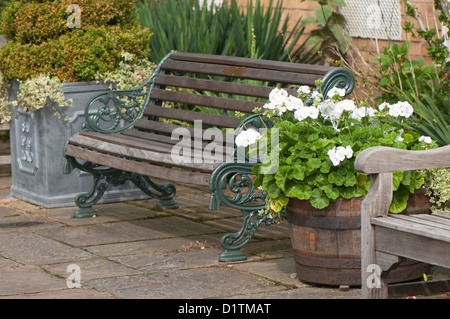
(338, 154)
(248, 137)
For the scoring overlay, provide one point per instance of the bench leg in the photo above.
(85, 201)
(166, 191)
(233, 242)
(105, 177)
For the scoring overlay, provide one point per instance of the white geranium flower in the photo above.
(401, 108)
(304, 89)
(347, 105)
(316, 96)
(278, 96)
(359, 113)
(338, 154)
(248, 137)
(330, 110)
(425, 139)
(383, 105)
(335, 91)
(293, 103)
(305, 112)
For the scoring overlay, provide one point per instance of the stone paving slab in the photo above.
(31, 248)
(153, 246)
(169, 261)
(19, 279)
(212, 282)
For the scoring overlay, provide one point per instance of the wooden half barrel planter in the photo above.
(327, 242)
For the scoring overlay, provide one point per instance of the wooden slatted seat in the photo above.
(180, 124)
(388, 238)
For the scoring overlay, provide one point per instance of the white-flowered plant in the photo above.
(247, 138)
(319, 137)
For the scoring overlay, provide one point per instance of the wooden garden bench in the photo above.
(174, 127)
(388, 238)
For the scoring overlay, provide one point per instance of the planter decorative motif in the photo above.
(327, 242)
(37, 144)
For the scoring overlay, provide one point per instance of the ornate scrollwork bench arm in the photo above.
(114, 112)
(231, 184)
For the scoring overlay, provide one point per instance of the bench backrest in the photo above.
(226, 84)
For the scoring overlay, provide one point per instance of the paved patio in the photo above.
(131, 251)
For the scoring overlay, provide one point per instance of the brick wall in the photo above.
(368, 47)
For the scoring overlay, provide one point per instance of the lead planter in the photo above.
(327, 242)
(37, 143)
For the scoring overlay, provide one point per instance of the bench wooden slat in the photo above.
(155, 152)
(216, 86)
(435, 218)
(197, 149)
(427, 249)
(191, 116)
(444, 214)
(144, 168)
(241, 72)
(202, 100)
(166, 128)
(141, 135)
(425, 219)
(409, 226)
(256, 63)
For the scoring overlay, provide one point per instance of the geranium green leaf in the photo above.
(281, 176)
(396, 180)
(313, 164)
(273, 190)
(298, 172)
(299, 191)
(325, 167)
(399, 201)
(336, 178)
(319, 199)
(330, 191)
(350, 180)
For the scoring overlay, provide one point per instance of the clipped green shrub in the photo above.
(41, 42)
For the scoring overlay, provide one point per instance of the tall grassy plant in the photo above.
(188, 26)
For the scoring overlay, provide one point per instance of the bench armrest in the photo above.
(382, 159)
(114, 111)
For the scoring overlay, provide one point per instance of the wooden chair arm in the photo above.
(382, 159)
